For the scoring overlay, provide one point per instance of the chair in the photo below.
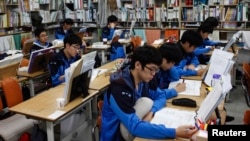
(9, 71)
(99, 119)
(246, 82)
(24, 62)
(246, 118)
(27, 46)
(15, 125)
(136, 41)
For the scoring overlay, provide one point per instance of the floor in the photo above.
(236, 105)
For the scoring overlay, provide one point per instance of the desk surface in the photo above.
(44, 104)
(102, 81)
(98, 48)
(34, 74)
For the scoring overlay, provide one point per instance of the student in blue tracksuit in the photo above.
(62, 60)
(65, 29)
(171, 55)
(41, 40)
(116, 50)
(214, 23)
(129, 86)
(187, 44)
(204, 30)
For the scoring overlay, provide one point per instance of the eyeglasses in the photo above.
(152, 70)
(43, 35)
(76, 47)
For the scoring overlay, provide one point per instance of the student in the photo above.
(186, 67)
(214, 23)
(41, 40)
(66, 56)
(65, 29)
(116, 50)
(171, 55)
(204, 30)
(108, 31)
(129, 88)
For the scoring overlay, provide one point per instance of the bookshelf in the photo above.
(81, 10)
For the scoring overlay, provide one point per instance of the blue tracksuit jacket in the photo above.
(57, 66)
(60, 34)
(37, 46)
(118, 108)
(200, 50)
(178, 70)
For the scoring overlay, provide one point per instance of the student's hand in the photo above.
(180, 87)
(191, 67)
(148, 116)
(186, 131)
(212, 48)
(61, 78)
(200, 72)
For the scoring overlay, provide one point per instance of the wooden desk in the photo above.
(31, 77)
(43, 105)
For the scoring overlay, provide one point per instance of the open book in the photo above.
(172, 117)
(192, 87)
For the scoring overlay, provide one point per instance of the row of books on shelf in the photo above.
(31, 5)
(49, 16)
(86, 15)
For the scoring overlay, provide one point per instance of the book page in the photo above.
(173, 118)
(192, 87)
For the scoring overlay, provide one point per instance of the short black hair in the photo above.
(72, 39)
(112, 19)
(213, 21)
(206, 28)
(191, 36)
(171, 52)
(38, 31)
(68, 21)
(146, 55)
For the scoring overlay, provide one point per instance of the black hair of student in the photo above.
(68, 21)
(38, 31)
(146, 55)
(206, 28)
(213, 21)
(72, 39)
(112, 19)
(171, 52)
(191, 36)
